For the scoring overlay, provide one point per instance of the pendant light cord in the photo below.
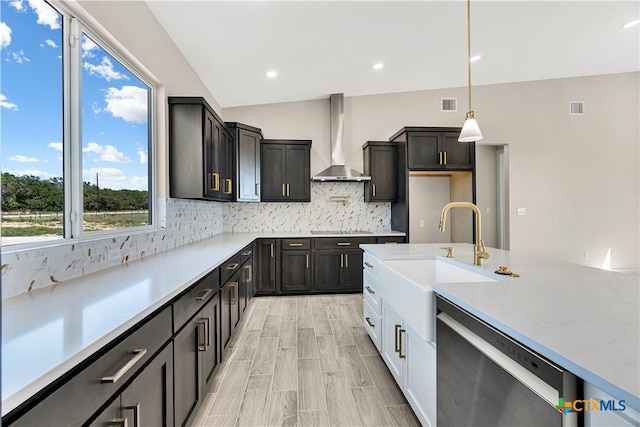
(469, 50)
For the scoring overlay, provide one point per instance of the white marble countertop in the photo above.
(48, 331)
(584, 319)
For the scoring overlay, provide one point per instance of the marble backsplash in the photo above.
(333, 206)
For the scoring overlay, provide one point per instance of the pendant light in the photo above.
(470, 130)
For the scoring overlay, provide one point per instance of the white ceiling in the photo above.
(324, 47)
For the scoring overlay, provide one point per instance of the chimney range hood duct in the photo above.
(338, 171)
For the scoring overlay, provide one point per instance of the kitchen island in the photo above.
(585, 320)
(46, 333)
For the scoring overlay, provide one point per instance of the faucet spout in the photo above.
(479, 252)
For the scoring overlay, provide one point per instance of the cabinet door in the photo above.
(267, 261)
(351, 271)
(214, 159)
(327, 267)
(243, 289)
(297, 172)
(459, 155)
(383, 171)
(273, 173)
(229, 312)
(148, 400)
(423, 151)
(188, 344)
(227, 168)
(420, 377)
(296, 271)
(391, 328)
(248, 163)
(210, 314)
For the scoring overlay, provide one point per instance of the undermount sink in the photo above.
(406, 286)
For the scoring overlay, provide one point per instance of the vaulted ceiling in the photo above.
(324, 47)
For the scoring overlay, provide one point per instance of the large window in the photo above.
(75, 130)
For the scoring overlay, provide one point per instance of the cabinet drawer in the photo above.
(295, 244)
(230, 267)
(390, 239)
(372, 323)
(370, 292)
(370, 264)
(342, 242)
(80, 397)
(194, 299)
(246, 253)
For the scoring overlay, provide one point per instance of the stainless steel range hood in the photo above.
(338, 171)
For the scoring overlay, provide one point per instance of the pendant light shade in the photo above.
(470, 130)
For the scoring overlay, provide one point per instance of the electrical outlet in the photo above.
(422, 223)
(521, 211)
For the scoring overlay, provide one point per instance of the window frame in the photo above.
(72, 29)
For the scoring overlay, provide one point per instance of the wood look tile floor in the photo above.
(304, 361)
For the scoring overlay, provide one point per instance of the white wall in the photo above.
(577, 176)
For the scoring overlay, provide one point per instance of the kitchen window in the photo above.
(76, 131)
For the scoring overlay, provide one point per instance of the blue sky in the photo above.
(114, 103)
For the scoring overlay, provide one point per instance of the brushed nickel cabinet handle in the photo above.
(374, 189)
(228, 186)
(344, 243)
(284, 190)
(119, 421)
(341, 260)
(248, 275)
(205, 293)
(346, 260)
(288, 194)
(232, 266)
(234, 285)
(307, 260)
(215, 177)
(137, 355)
(136, 413)
(369, 322)
(400, 355)
(396, 339)
(272, 250)
(246, 253)
(257, 190)
(203, 346)
(368, 265)
(371, 291)
(295, 244)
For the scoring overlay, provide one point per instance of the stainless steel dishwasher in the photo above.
(485, 378)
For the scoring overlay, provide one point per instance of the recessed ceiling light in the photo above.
(631, 24)
(272, 74)
(475, 58)
(378, 66)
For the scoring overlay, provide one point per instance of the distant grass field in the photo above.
(51, 224)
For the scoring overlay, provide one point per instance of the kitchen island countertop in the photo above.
(585, 319)
(48, 331)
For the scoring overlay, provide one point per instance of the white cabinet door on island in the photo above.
(412, 362)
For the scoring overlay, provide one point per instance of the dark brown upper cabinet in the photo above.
(201, 157)
(435, 149)
(247, 161)
(380, 163)
(285, 170)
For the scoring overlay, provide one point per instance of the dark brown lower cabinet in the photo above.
(229, 311)
(338, 270)
(266, 274)
(196, 354)
(295, 273)
(148, 400)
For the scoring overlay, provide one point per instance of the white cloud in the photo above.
(87, 47)
(108, 153)
(23, 159)
(32, 172)
(46, 14)
(19, 57)
(17, 5)
(142, 155)
(128, 103)
(5, 104)
(104, 70)
(50, 43)
(114, 178)
(5, 35)
(55, 145)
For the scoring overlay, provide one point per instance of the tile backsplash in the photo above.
(333, 206)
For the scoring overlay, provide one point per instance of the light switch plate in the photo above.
(521, 211)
